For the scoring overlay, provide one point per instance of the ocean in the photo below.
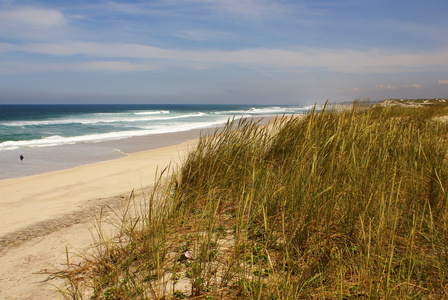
(56, 137)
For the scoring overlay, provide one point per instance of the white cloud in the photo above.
(443, 81)
(334, 60)
(110, 66)
(29, 17)
(5, 47)
(388, 87)
(126, 8)
(91, 66)
(356, 89)
(31, 23)
(413, 85)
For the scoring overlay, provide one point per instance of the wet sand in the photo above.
(41, 160)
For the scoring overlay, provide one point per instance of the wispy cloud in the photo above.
(383, 87)
(30, 22)
(30, 17)
(111, 66)
(356, 89)
(415, 28)
(251, 8)
(201, 35)
(92, 66)
(127, 8)
(444, 81)
(413, 85)
(5, 47)
(334, 60)
(200, 9)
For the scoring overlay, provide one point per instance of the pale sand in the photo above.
(42, 214)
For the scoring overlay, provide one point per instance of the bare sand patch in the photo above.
(41, 215)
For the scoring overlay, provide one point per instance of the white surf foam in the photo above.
(57, 140)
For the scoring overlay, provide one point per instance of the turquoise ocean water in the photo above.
(54, 137)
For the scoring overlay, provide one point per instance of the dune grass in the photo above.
(331, 205)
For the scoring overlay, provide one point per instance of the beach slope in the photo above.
(43, 214)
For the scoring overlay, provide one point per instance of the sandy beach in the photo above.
(43, 214)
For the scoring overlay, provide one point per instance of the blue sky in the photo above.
(222, 51)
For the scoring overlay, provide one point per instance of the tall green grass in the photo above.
(331, 205)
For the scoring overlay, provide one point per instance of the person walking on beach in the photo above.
(21, 157)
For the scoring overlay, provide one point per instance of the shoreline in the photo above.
(97, 180)
(103, 151)
(37, 160)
